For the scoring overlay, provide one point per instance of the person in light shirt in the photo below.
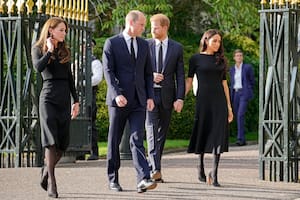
(97, 75)
(241, 91)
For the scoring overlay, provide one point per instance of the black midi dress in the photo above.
(55, 99)
(210, 130)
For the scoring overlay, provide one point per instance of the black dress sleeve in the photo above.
(192, 67)
(39, 60)
(224, 73)
(72, 85)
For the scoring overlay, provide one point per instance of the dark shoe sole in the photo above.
(53, 195)
(210, 181)
(241, 143)
(160, 180)
(141, 190)
(151, 187)
(202, 179)
(115, 188)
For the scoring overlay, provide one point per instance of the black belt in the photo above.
(237, 89)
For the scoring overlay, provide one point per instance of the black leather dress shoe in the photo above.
(146, 184)
(240, 143)
(115, 187)
(93, 157)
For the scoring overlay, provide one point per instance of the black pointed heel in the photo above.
(44, 178)
(212, 181)
(52, 190)
(202, 178)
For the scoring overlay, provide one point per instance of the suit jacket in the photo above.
(173, 87)
(248, 81)
(123, 75)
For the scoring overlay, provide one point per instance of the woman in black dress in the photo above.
(213, 108)
(51, 57)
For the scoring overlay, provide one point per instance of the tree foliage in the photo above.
(236, 17)
(113, 13)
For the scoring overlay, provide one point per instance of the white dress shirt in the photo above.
(238, 77)
(128, 42)
(97, 72)
(164, 49)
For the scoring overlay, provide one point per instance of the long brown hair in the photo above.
(221, 60)
(63, 52)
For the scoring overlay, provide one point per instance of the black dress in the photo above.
(210, 130)
(55, 99)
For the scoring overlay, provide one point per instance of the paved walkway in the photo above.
(238, 175)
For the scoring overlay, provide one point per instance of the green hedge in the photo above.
(181, 123)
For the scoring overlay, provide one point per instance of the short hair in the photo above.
(237, 51)
(163, 19)
(133, 15)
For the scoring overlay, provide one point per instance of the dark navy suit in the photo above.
(172, 88)
(241, 97)
(134, 80)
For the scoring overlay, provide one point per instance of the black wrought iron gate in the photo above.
(20, 24)
(279, 91)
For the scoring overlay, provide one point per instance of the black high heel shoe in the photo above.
(212, 181)
(202, 177)
(52, 190)
(44, 178)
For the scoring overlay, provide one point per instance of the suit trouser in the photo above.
(117, 118)
(157, 126)
(94, 138)
(239, 108)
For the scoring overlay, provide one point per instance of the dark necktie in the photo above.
(160, 58)
(132, 49)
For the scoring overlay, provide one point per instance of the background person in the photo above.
(51, 57)
(97, 75)
(241, 92)
(213, 108)
(128, 73)
(169, 88)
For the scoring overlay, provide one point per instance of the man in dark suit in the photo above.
(169, 89)
(241, 91)
(128, 73)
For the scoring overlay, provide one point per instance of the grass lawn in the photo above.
(178, 144)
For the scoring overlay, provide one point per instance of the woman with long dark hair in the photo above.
(51, 57)
(213, 108)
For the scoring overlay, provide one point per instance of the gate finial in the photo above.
(281, 2)
(39, 5)
(10, 6)
(47, 7)
(86, 12)
(20, 6)
(1, 6)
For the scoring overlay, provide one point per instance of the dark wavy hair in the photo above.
(221, 60)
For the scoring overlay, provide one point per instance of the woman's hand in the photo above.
(50, 44)
(75, 110)
(230, 115)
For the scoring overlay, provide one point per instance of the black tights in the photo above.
(214, 172)
(52, 156)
